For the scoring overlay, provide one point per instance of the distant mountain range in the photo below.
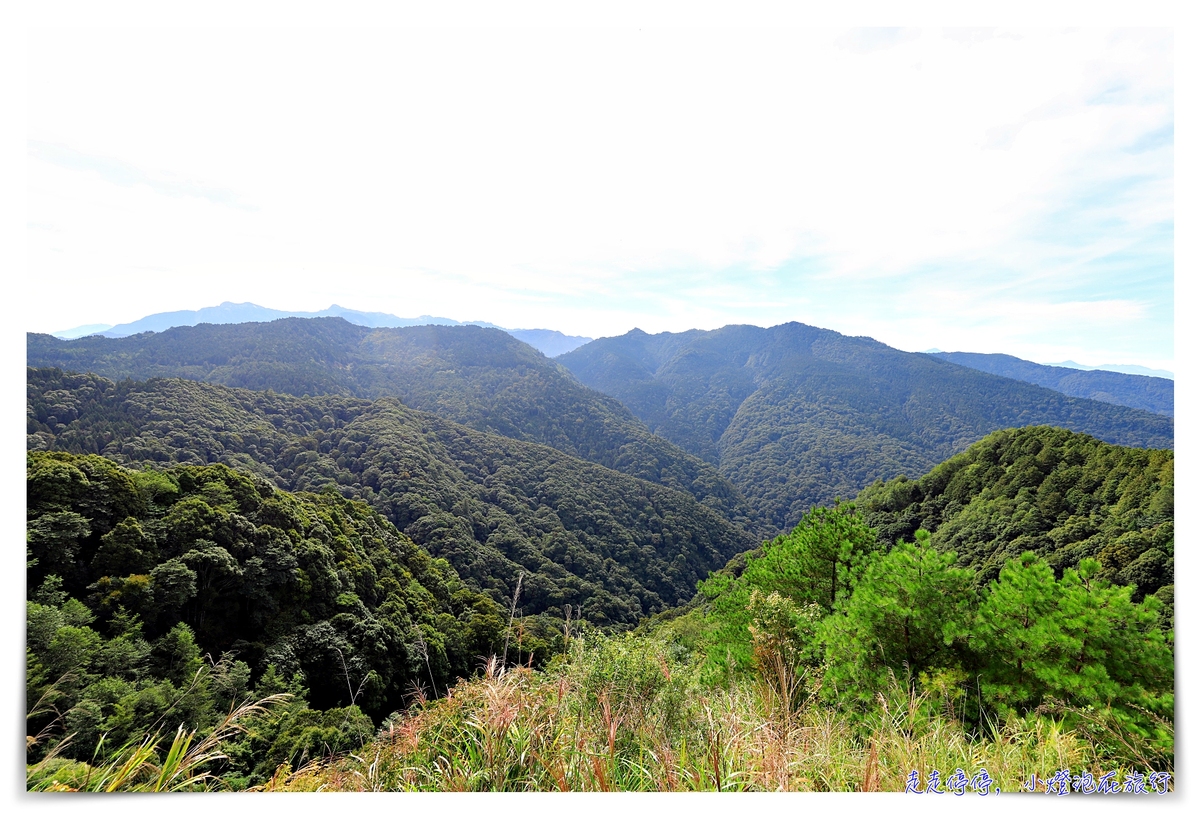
(1137, 391)
(796, 416)
(547, 341)
(1128, 369)
(477, 376)
(495, 508)
(786, 417)
(82, 331)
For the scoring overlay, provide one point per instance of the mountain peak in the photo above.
(546, 341)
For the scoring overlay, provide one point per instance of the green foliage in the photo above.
(908, 610)
(1135, 391)
(625, 679)
(1061, 495)
(332, 597)
(492, 507)
(190, 763)
(796, 416)
(176, 655)
(170, 580)
(482, 378)
(71, 650)
(54, 538)
(782, 637)
(1079, 643)
(813, 564)
(127, 549)
(303, 735)
(627, 713)
(1026, 644)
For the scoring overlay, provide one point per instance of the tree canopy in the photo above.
(795, 416)
(173, 592)
(1062, 495)
(615, 547)
(480, 377)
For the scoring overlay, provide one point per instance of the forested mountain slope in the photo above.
(195, 560)
(480, 377)
(796, 416)
(1135, 391)
(1062, 495)
(494, 507)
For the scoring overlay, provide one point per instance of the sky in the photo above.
(1004, 190)
(984, 190)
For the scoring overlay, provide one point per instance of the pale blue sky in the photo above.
(980, 190)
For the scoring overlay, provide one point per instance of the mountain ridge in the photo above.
(758, 423)
(548, 342)
(494, 507)
(1135, 391)
(480, 377)
(796, 416)
(1063, 495)
(1127, 369)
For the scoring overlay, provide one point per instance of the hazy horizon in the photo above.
(73, 332)
(991, 190)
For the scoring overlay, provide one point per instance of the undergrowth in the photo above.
(631, 714)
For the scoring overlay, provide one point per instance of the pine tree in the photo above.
(1079, 644)
(906, 611)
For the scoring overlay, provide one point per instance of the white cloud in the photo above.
(590, 180)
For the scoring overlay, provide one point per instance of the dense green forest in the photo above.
(834, 660)
(857, 611)
(480, 377)
(797, 416)
(762, 424)
(614, 547)
(1061, 495)
(169, 596)
(1136, 391)
(831, 663)
(342, 591)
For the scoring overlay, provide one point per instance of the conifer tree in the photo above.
(906, 612)
(1079, 641)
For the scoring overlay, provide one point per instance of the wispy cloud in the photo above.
(128, 175)
(868, 40)
(915, 185)
(1163, 137)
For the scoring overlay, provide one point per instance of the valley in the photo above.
(356, 530)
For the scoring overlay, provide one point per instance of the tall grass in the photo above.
(142, 766)
(621, 714)
(635, 713)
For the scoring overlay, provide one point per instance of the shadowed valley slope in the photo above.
(1135, 391)
(477, 376)
(796, 416)
(494, 507)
